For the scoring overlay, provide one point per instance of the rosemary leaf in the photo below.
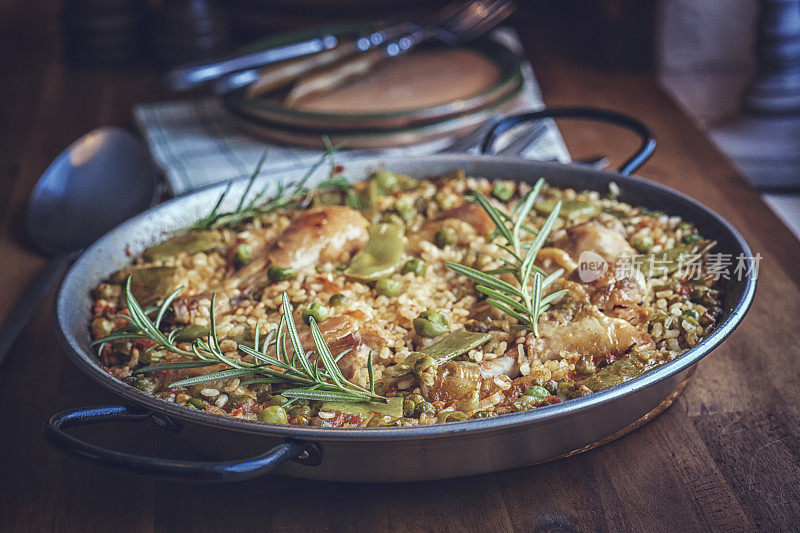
(159, 367)
(323, 395)
(216, 376)
(527, 302)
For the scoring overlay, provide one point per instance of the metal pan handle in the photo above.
(234, 470)
(643, 153)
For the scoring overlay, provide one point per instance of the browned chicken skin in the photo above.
(318, 235)
(598, 238)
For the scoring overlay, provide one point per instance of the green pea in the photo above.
(388, 287)
(691, 314)
(444, 237)
(277, 273)
(502, 192)
(424, 408)
(538, 393)
(146, 384)
(278, 400)
(691, 239)
(315, 310)
(685, 226)
(585, 365)
(408, 407)
(431, 324)
(416, 398)
(197, 402)
(405, 208)
(338, 299)
(416, 266)
(273, 414)
(446, 199)
(300, 410)
(524, 403)
(642, 243)
(243, 255)
(704, 295)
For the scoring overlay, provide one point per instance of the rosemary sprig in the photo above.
(526, 301)
(307, 379)
(283, 197)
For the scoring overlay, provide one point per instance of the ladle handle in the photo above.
(30, 301)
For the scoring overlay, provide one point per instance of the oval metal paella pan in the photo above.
(389, 454)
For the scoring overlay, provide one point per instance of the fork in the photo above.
(194, 74)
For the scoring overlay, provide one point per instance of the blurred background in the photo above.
(733, 66)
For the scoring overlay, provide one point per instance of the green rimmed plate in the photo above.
(378, 138)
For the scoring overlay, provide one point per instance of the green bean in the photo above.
(570, 207)
(190, 243)
(381, 255)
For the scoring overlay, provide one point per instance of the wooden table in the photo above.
(726, 455)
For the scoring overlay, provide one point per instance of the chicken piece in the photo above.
(577, 326)
(472, 214)
(327, 233)
(340, 334)
(551, 259)
(610, 222)
(616, 288)
(467, 219)
(594, 236)
(502, 366)
(453, 380)
(456, 380)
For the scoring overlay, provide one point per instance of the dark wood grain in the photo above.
(726, 455)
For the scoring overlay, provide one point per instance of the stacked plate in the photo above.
(431, 93)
